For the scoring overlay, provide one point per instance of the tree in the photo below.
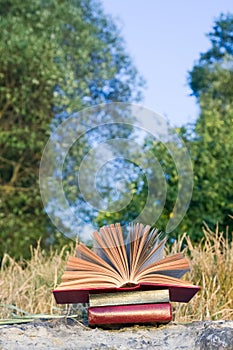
(209, 141)
(55, 57)
(221, 38)
(211, 81)
(153, 188)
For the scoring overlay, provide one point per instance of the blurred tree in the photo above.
(153, 187)
(221, 50)
(211, 81)
(55, 57)
(210, 141)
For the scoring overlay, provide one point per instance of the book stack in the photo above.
(125, 281)
(152, 306)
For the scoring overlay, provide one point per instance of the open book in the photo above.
(113, 264)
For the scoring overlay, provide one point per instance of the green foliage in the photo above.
(137, 188)
(149, 183)
(55, 57)
(211, 148)
(209, 141)
(212, 151)
(203, 73)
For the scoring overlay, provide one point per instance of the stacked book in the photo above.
(151, 306)
(125, 281)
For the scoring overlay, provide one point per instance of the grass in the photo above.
(25, 286)
(212, 269)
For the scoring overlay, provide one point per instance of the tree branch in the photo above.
(17, 167)
(11, 162)
(9, 188)
(7, 104)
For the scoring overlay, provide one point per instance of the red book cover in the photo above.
(74, 296)
(139, 313)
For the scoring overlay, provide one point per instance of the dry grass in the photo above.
(212, 269)
(27, 285)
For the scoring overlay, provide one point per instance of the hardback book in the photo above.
(118, 265)
(127, 298)
(123, 314)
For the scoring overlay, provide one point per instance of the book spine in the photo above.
(120, 314)
(126, 298)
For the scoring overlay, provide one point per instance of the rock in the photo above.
(216, 336)
(70, 334)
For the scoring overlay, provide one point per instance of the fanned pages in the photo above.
(119, 263)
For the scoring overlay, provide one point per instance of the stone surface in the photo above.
(70, 334)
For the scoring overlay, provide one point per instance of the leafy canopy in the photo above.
(55, 57)
(209, 141)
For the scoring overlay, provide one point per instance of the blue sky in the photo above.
(164, 38)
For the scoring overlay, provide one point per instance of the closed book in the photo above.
(126, 298)
(126, 314)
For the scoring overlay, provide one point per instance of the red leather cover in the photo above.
(140, 313)
(74, 296)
